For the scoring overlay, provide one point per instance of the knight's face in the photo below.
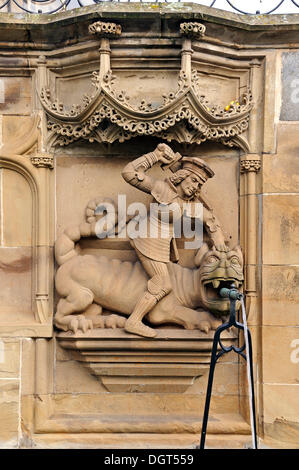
(190, 185)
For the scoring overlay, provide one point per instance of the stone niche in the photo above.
(114, 91)
(106, 379)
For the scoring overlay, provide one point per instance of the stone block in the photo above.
(28, 366)
(9, 412)
(141, 404)
(281, 434)
(9, 358)
(280, 229)
(280, 293)
(67, 88)
(226, 380)
(15, 95)
(20, 134)
(290, 86)
(281, 406)
(16, 285)
(141, 440)
(27, 421)
(73, 377)
(17, 209)
(281, 170)
(280, 355)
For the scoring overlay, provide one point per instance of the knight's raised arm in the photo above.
(135, 172)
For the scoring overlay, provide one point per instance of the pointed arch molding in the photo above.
(185, 114)
(39, 180)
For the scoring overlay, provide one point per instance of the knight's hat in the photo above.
(198, 167)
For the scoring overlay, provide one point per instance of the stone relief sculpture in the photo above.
(155, 253)
(154, 288)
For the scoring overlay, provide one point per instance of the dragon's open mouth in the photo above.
(212, 288)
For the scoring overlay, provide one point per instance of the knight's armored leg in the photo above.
(158, 287)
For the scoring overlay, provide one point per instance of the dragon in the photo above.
(90, 285)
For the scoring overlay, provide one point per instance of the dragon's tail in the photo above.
(96, 209)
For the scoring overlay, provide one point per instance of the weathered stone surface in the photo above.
(280, 291)
(283, 410)
(281, 170)
(17, 209)
(280, 229)
(167, 415)
(27, 407)
(20, 134)
(9, 412)
(281, 355)
(251, 28)
(282, 434)
(290, 86)
(73, 377)
(15, 275)
(28, 366)
(141, 441)
(136, 405)
(9, 358)
(226, 379)
(71, 204)
(15, 95)
(226, 176)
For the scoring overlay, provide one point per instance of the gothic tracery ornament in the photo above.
(185, 106)
(184, 114)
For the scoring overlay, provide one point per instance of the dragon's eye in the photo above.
(212, 259)
(235, 260)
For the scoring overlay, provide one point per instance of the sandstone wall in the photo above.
(49, 398)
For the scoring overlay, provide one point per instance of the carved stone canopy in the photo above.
(185, 114)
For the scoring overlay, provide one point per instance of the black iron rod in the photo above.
(209, 391)
(216, 341)
(252, 387)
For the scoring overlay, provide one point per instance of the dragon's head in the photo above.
(218, 269)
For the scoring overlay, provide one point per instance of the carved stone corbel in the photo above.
(42, 160)
(189, 31)
(247, 166)
(105, 31)
(182, 358)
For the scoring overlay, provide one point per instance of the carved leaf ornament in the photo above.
(185, 115)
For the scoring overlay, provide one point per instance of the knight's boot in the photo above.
(134, 322)
(158, 286)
